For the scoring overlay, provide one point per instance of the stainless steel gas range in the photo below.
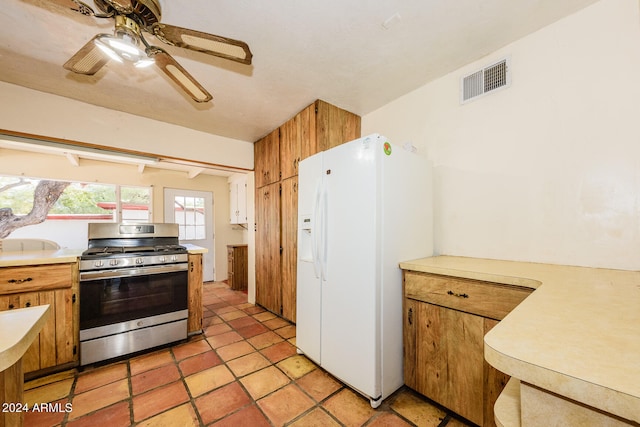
(133, 290)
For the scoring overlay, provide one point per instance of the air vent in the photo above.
(487, 80)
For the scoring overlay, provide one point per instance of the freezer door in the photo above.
(350, 329)
(308, 292)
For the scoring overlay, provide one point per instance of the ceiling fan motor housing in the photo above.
(146, 12)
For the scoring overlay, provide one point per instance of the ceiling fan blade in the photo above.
(210, 44)
(178, 74)
(88, 60)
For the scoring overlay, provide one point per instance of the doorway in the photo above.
(193, 212)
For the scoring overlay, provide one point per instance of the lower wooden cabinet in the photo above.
(237, 273)
(194, 323)
(445, 320)
(289, 259)
(268, 274)
(56, 285)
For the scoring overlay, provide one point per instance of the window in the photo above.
(135, 204)
(189, 215)
(81, 201)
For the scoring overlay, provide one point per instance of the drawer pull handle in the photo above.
(410, 316)
(28, 279)
(457, 295)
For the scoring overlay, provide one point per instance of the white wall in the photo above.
(547, 170)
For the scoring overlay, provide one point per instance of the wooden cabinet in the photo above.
(291, 137)
(268, 263)
(318, 127)
(267, 159)
(194, 322)
(238, 199)
(237, 275)
(445, 320)
(57, 285)
(289, 200)
(334, 126)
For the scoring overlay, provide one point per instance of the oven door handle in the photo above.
(130, 272)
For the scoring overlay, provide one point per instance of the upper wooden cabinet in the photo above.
(318, 127)
(267, 159)
(334, 126)
(292, 135)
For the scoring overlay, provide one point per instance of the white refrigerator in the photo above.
(363, 206)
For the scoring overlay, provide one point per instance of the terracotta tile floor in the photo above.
(243, 371)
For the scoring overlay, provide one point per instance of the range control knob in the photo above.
(139, 261)
(98, 263)
(113, 262)
(162, 259)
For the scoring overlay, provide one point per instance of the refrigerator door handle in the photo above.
(324, 231)
(315, 229)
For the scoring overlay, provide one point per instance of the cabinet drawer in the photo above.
(487, 299)
(42, 277)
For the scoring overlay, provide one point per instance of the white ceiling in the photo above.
(335, 50)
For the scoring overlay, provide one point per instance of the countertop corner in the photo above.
(18, 329)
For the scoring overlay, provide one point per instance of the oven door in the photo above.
(116, 297)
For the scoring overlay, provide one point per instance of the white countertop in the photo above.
(60, 256)
(577, 335)
(193, 249)
(18, 329)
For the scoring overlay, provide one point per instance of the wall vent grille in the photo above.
(487, 80)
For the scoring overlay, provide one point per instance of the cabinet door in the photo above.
(409, 328)
(335, 126)
(289, 246)
(290, 143)
(267, 159)
(194, 322)
(233, 202)
(230, 280)
(65, 341)
(268, 284)
(308, 140)
(450, 359)
(238, 200)
(48, 333)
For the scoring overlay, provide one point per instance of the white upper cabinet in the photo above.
(238, 199)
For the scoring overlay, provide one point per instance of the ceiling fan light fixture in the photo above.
(104, 47)
(123, 49)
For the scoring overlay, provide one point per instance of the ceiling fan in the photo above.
(127, 42)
